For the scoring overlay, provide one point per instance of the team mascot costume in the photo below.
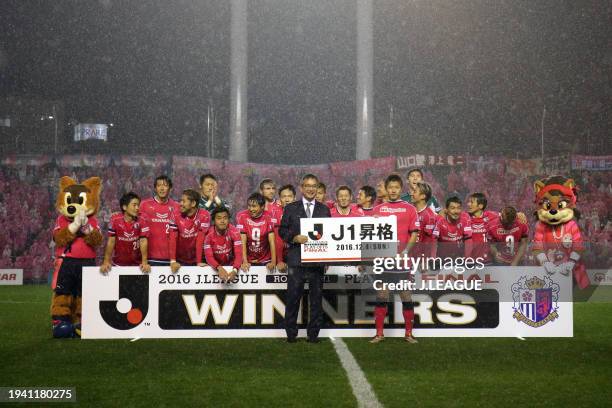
(76, 235)
(557, 243)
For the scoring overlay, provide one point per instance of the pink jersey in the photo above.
(453, 237)
(426, 243)
(281, 246)
(407, 219)
(480, 244)
(354, 211)
(367, 212)
(187, 236)
(558, 242)
(509, 237)
(77, 248)
(275, 211)
(158, 216)
(223, 249)
(257, 231)
(127, 239)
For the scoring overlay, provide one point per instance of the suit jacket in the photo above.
(290, 227)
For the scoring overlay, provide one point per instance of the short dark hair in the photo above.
(265, 181)
(393, 177)
(258, 198)
(424, 188)
(322, 185)
(480, 198)
(415, 169)
(192, 195)
(163, 178)
(126, 199)
(453, 199)
(287, 187)
(346, 188)
(309, 176)
(369, 191)
(205, 176)
(220, 210)
(509, 215)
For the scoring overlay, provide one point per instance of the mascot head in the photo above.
(73, 197)
(556, 199)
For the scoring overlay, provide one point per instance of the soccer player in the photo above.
(366, 199)
(267, 188)
(257, 234)
(157, 212)
(507, 230)
(381, 193)
(480, 218)
(344, 206)
(407, 217)
(286, 195)
(222, 245)
(187, 232)
(453, 232)
(426, 242)
(209, 187)
(127, 237)
(414, 176)
(407, 231)
(322, 195)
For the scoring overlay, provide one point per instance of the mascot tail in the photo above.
(582, 279)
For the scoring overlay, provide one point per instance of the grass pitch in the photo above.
(269, 372)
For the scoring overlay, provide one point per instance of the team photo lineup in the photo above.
(200, 230)
(321, 203)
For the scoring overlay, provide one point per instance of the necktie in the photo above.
(308, 213)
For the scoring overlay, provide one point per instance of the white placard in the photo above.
(348, 239)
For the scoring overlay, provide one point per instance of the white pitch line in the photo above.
(135, 339)
(361, 387)
(521, 338)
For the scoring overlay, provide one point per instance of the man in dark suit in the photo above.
(289, 231)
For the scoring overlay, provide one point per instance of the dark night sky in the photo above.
(467, 76)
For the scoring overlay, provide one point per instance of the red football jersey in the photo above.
(558, 242)
(275, 211)
(256, 231)
(187, 236)
(480, 244)
(354, 211)
(223, 249)
(77, 248)
(453, 237)
(368, 212)
(426, 243)
(407, 219)
(158, 216)
(127, 239)
(510, 238)
(281, 246)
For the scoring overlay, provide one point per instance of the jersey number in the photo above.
(256, 236)
(510, 244)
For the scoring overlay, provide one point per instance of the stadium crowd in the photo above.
(27, 196)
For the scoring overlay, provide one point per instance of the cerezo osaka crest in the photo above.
(535, 300)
